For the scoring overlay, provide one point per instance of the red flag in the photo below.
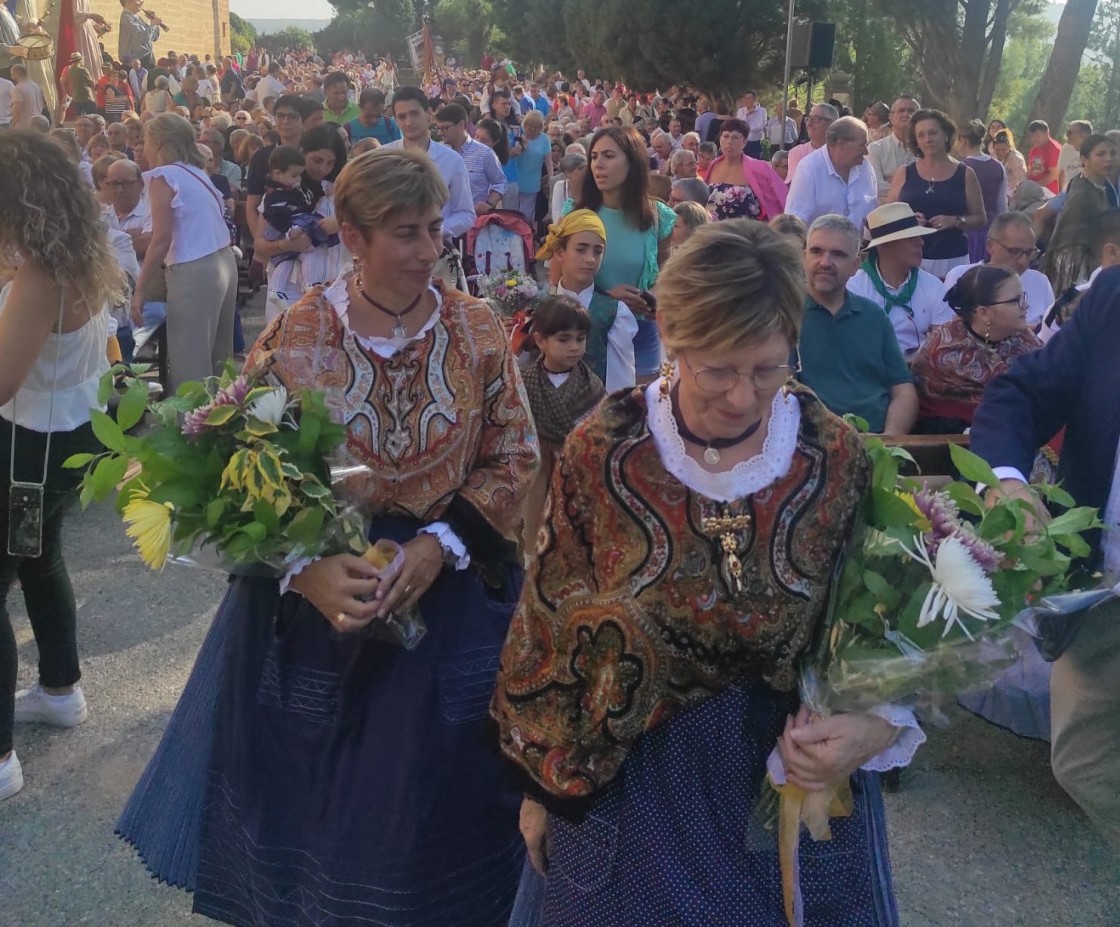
(66, 42)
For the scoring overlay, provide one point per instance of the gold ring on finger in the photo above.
(341, 617)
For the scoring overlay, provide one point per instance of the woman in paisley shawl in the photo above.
(958, 359)
(651, 667)
(352, 781)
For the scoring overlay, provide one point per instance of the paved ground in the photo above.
(981, 834)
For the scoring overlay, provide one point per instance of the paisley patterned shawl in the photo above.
(444, 419)
(624, 620)
(954, 366)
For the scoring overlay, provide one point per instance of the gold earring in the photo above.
(668, 369)
(988, 332)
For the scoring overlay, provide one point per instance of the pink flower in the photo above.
(194, 423)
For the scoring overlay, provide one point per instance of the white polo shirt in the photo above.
(927, 308)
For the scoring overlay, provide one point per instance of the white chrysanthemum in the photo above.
(270, 407)
(959, 585)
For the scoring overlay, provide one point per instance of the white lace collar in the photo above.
(744, 478)
(338, 297)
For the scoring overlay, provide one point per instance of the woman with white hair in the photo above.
(158, 99)
(533, 163)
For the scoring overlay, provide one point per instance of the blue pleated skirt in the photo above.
(163, 817)
(346, 781)
(674, 842)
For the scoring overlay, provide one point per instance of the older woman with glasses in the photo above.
(682, 570)
(740, 186)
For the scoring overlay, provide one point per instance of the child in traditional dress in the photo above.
(561, 388)
(577, 244)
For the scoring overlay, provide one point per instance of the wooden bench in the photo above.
(930, 452)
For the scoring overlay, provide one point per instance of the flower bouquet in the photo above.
(922, 607)
(235, 469)
(512, 295)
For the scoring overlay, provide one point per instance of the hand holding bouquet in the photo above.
(922, 607)
(238, 468)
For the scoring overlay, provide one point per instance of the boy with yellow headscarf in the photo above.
(577, 243)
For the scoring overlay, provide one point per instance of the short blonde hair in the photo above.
(379, 185)
(534, 117)
(174, 136)
(731, 285)
(693, 215)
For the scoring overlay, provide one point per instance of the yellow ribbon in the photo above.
(581, 220)
(813, 809)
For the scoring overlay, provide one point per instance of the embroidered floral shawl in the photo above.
(624, 620)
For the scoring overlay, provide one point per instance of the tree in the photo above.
(467, 27)
(243, 35)
(1065, 61)
(869, 48)
(381, 28)
(1097, 95)
(291, 37)
(1024, 60)
(721, 47)
(957, 48)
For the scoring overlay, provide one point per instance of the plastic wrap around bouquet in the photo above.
(237, 474)
(923, 607)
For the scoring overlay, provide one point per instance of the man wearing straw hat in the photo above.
(892, 278)
(78, 84)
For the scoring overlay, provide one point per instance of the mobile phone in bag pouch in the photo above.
(25, 519)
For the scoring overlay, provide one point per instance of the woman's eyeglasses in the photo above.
(725, 379)
(1021, 300)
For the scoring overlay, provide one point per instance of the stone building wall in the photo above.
(199, 27)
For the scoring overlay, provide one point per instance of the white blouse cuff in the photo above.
(293, 571)
(910, 737)
(449, 540)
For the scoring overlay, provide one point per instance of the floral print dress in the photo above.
(732, 201)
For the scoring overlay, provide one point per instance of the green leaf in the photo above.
(859, 424)
(77, 461)
(109, 471)
(313, 489)
(266, 515)
(307, 527)
(1054, 493)
(1074, 521)
(889, 511)
(256, 531)
(972, 466)
(105, 387)
(309, 430)
(214, 511)
(132, 406)
(107, 431)
(967, 499)
(220, 415)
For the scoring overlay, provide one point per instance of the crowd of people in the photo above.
(724, 283)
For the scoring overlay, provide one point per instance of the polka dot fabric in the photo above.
(673, 842)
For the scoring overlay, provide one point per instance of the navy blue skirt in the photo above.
(328, 779)
(674, 841)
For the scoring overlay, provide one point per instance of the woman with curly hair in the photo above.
(59, 276)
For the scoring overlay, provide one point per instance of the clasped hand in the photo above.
(346, 589)
(819, 753)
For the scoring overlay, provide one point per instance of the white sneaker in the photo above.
(11, 776)
(59, 710)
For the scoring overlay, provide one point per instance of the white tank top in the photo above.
(199, 225)
(81, 363)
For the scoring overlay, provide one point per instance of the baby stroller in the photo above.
(499, 241)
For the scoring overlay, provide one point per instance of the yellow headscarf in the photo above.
(580, 220)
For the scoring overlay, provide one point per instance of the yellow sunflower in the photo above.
(149, 525)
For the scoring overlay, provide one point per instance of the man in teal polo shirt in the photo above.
(849, 352)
